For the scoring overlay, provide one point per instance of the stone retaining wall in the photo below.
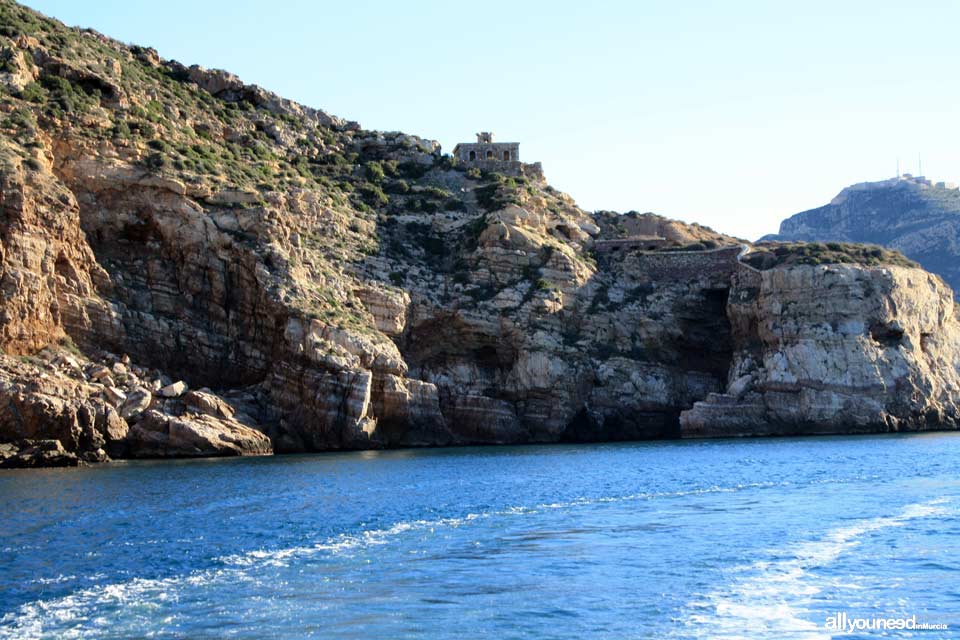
(686, 265)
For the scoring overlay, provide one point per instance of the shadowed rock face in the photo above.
(911, 215)
(244, 274)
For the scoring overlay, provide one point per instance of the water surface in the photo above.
(735, 538)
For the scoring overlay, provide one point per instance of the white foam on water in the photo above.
(73, 616)
(78, 614)
(771, 598)
(345, 542)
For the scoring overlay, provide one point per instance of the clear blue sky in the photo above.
(733, 114)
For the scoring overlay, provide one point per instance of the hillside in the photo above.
(195, 266)
(912, 215)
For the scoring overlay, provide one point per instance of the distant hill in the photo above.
(911, 214)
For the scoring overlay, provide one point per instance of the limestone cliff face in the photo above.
(45, 258)
(836, 349)
(242, 274)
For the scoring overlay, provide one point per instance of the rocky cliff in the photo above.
(836, 349)
(912, 215)
(195, 266)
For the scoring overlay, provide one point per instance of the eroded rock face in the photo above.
(46, 259)
(38, 402)
(837, 349)
(283, 278)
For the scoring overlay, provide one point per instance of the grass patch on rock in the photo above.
(787, 254)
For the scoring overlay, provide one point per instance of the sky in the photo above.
(733, 114)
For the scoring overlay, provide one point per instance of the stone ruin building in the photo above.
(501, 157)
(486, 150)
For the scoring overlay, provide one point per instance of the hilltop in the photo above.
(195, 266)
(910, 214)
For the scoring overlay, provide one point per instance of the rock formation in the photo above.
(194, 266)
(912, 215)
(836, 349)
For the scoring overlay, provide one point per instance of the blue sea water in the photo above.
(761, 538)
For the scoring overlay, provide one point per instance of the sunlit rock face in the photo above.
(836, 349)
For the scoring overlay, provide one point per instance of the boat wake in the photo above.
(772, 598)
(81, 614)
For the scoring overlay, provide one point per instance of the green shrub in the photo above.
(144, 129)
(34, 92)
(372, 194)
(374, 172)
(412, 170)
(472, 231)
(398, 186)
(21, 121)
(62, 94)
(155, 161)
(154, 111)
(391, 168)
(497, 193)
(771, 255)
(436, 193)
(159, 145)
(121, 130)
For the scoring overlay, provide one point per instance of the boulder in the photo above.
(208, 404)
(111, 426)
(193, 435)
(174, 390)
(215, 81)
(68, 363)
(137, 402)
(232, 197)
(36, 453)
(99, 372)
(114, 396)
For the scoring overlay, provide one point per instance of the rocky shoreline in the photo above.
(192, 266)
(62, 409)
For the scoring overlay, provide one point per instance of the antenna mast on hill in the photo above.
(898, 167)
(919, 165)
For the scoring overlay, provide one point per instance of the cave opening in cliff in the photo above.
(886, 335)
(706, 341)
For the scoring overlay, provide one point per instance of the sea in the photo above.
(818, 537)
